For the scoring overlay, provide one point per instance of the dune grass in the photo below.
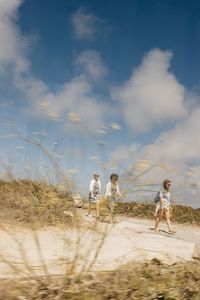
(34, 202)
(139, 281)
(39, 202)
(180, 213)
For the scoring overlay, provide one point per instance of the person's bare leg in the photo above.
(157, 223)
(89, 209)
(110, 208)
(167, 218)
(169, 225)
(158, 219)
(97, 210)
(113, 218)
(156, 211)
(112, 211)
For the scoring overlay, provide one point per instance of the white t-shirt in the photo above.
(95, 187)
(109, 191)
(165, 195)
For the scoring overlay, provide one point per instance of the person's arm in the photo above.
(118, 191)
(99, 186)
(172, 201)
(161, 196)
(91, 187)
(108, 190)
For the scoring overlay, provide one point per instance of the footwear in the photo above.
(171, 232)
(89, 215)
(113, 221)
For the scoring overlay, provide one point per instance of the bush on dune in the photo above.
(180, 213)
(148, 281)
(34, 202)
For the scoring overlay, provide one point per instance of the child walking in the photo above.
(112, 192)
(94, 194)
(163, 206)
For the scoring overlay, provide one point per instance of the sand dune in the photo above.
(129, 239)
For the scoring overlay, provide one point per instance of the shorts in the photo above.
(164, 205)
(94, 199)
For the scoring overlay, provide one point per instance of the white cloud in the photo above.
(8, 8)
(12, 43)
(74, 96)
(86, 26)
(153, 95)
(176, 155)
(179, 150)
(124, 154)
(180, 145)
(92, 64)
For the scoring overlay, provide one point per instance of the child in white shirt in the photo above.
(94, 194)
(112, 191)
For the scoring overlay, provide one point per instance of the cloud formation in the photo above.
(182, 143)
(13, 45)
(153, 95)
(92, 64)
(179, 150)
(175, 155)
(85, 25)
(75, 96)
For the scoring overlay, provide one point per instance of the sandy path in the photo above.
(127, 240)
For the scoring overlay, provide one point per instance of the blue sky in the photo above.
(99, 83)
(135, 27)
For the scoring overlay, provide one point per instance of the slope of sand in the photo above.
(103, 248)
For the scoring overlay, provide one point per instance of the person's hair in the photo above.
(114, 175)
(165, 182)
(96, 174)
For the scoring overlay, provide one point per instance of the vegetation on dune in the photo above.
(38, 201)
(147, 281)
(30, 201)
(180, 213)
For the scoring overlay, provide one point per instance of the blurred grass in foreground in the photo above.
(40, 202)
(139, 281)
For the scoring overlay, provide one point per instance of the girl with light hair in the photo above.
(163, 206)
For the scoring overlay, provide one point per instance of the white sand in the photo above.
(129, 239)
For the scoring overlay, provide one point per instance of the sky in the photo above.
(102, 86)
